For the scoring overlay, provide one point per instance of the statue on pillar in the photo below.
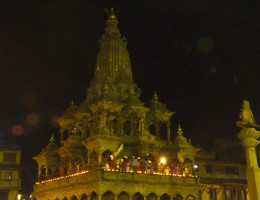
(248, 136)
(247, 117)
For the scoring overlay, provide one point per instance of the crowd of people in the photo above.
(145, 165)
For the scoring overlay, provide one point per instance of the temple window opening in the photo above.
(73, 197)
(187, 167)
(108, 160)
(165, 197)
(152, 196)
(138, 196)
(212, 193)
(231, 170)
(163, 131)
(93, 196)
(210, 168)
(127, 128)
(83, 197)
(152, 129)
(178, 197)
(108, 196)
(123, 196)
(65, 134)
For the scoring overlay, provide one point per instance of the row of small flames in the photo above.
(138, 172)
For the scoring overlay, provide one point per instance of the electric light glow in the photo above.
(138, 172)
(163, 160)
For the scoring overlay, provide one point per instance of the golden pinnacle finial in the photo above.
(52, 140)
(111, 14)
(155, 96)
(111, 18)
(179, 132)
(72, 103)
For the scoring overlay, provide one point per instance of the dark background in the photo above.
(202, 58)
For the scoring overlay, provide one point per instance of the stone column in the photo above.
(168, 132)
(248, 137)
(39, 172)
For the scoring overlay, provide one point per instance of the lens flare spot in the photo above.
(32, 119)
(206, 44)
(17, 130)
(53, 121)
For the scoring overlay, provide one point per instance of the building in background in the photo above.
(10, 170)
(114, 147)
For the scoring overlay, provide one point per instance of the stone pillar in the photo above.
(168, 132)
(248, 137)
(61, 135)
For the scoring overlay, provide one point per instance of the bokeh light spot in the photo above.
(53, 121)
(32, 119)
(17, 130)
(206, 44)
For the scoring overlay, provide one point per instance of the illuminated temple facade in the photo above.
(114, 147)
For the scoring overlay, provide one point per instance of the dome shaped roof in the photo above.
(180, 139)
(75, 140)
(51, 146)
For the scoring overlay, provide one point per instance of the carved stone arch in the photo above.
(152, 196)
(42, 172)
(163, 131)
(190, 197)
(165, 197)
(108, 160)
(152, 129)
(93, 196)
(49, 172)
(188, 166)
(83, 197)
(127, 128)
(138, 196)
(56, 172)
(93, 160)
(178, 197)
(123, 196)
(108, 196)
(73, 197)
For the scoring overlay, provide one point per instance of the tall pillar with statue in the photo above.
(248, 136)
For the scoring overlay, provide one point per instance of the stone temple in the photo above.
(114, 147)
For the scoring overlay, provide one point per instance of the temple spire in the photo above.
(111, 19)
(179, 132)
(113, 66)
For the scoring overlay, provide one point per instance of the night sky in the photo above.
(202, 58)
